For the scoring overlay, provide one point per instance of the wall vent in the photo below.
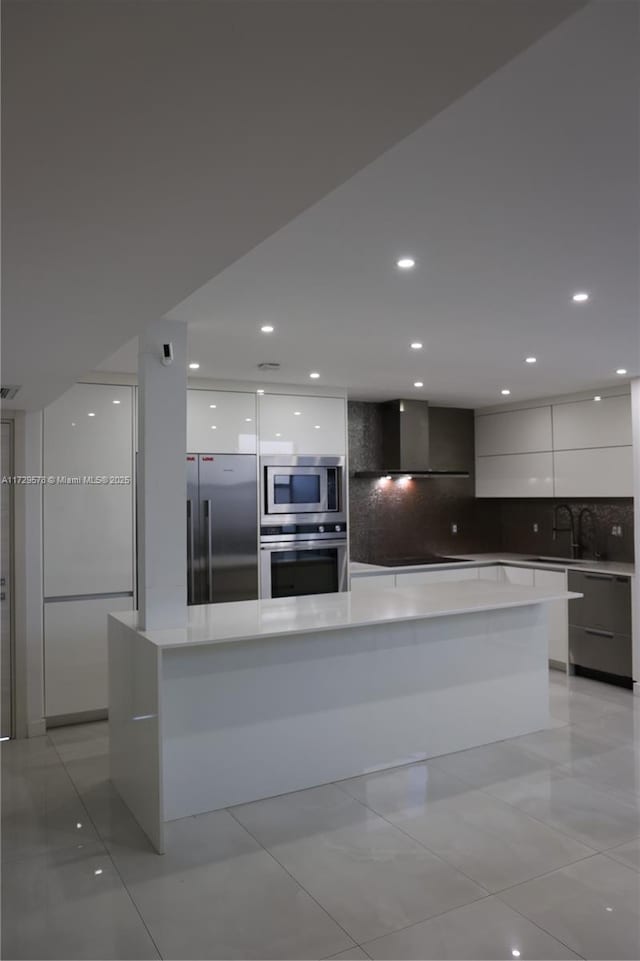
(269, 365)
(8, 393)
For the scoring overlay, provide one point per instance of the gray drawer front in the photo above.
(606, 604)
(600, 651)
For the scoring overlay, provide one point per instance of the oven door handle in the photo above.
(302, 545)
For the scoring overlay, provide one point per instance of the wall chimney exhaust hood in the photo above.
(423, 441)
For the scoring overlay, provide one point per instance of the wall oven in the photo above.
(297, 563)
(296, 488)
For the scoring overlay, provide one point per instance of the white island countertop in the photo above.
(277, 617)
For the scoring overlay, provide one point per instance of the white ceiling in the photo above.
(520, 193)
(147, 146)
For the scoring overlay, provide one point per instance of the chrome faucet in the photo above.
(585, 513)
(571, 529)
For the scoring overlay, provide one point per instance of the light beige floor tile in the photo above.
(487, 929)
(368, 875)
(218, 894)
(591, 906)
(628, 854)
(70, 904)
(574, 806)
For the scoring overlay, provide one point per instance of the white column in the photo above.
(28, 625)
(162, 438)
(635, 424)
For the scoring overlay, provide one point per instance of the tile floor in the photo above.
(529, 848)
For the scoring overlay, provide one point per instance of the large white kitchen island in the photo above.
(260, 698)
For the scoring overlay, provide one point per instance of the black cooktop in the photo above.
(422, 559)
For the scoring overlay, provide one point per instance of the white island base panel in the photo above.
(196, 727)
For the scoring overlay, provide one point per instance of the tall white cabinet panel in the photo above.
(221, 421)
(515, 475)
(75, 662)
(513, 432)
(598, 472)
(88, 527)
(292, 425)
(558, 613)
(589, 423)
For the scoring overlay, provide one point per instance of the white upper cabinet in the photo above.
(515, 475)
(221, 422)
(589, 423)
(513, 432)
(594, 472)
(88, 523)
(291, 425)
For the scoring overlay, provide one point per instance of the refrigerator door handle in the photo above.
(207, 505)
(192, 567)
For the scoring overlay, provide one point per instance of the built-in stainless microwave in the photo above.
(309, 486)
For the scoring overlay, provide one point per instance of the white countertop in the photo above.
(277, 617)
(517, 560)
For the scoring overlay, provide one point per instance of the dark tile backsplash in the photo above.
(401, 519)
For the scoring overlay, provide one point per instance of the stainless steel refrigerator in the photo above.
(222, 528)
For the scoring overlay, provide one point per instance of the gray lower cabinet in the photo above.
(600, 626)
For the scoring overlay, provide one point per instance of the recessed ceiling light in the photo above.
(416, 345)
(91, 414)
(79, 825)
(194, 366)
(597, 397)
(115, 401)
(317, 426)
(530, 360)
(267, 329)
(621, 370)
(418, 383)
(214, 427)
(580, 297)
(73, 423)
(314, 374)
(278, 435)
(505, 392)
(212, 406)
(515, 953)
(248, 420)
(297, 413)
(405, 263)
(98, 871)
(260, 391)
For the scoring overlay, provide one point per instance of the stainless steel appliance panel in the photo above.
(309, 489)
(228, 520)
(292, 569)
(194, 592)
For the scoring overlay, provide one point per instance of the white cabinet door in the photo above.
(599, 472)
(88, 527)
(292, 425)
(437, 577)
(518, 575)
(558, 615)
(75, 653)
(377, 583)
(513, 432)
(515, 475)
(221, 422)
(589, 423)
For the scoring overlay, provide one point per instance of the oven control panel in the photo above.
(307, 532)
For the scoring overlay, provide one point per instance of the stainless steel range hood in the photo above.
(423, 441)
